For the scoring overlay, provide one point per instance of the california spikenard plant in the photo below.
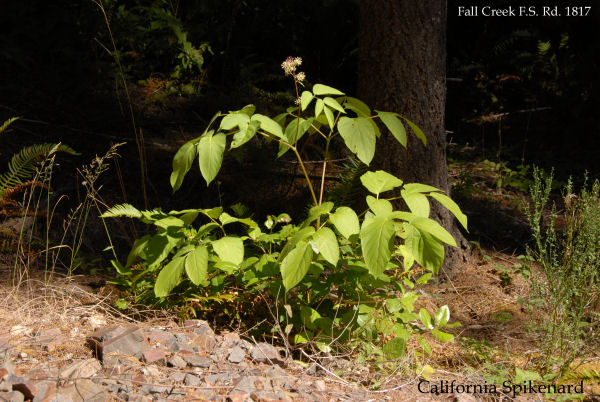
(336, 277)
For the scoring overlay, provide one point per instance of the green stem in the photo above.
(310, 186)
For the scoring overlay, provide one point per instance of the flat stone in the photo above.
(250, 384)
(179, 346)
(177, 362)
(12, 396)
(319, 385)
(204, 342)
(231, 338)
(267, 396)
(177, 376)
(30, 388)
(198, 361)
(220, 378)
(192, 380)
(82, 390)
(236, 355)
(81, 369)
(118, 339)
(157, 336)
(155, 355)
(265, 353)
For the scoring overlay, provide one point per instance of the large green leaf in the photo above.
(182, 162)
(329, 116)
(210, 155)
(300, 235)
(317, 211)
(234, 120)
(417, 203)
(357, 106)
(158, 248)
(424, 248)
(137, 250)
(296, 264)
(332, 103)
(442, 316)
(169, 277)
(319, 105)
(245, 134)
(434, 228)
(359, 136)
(229, 249)
(305, 99)
(452, 207)
(395, 126)
(382, 208)
(293, 132)
(377, 239)
(320, 89)
(418, 132)
(345, 221)
(269, 125)
(419, 188)
(380, 181)
(196, 264)
(327, 245)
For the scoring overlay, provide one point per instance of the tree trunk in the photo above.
(402, 68)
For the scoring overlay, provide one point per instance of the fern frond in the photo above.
(7, 123)
(22, 165)
(349, 188)
(127, 210)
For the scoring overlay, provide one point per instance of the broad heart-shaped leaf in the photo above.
(417, 203)
(234, 120)
(395, 126)
(210, 155)
(269, 125)
(435, 229)
(245, 134)
(305, 99)
(196, 264)
(345, 221)
(182, 162)
(320, 89)
(380, 181)
(229, 249)
(377, 240)
(424, 248)
(325, 241)
(169, 277)
(418, 132)
(295, 265)
(382, 208)
(359, 136)
(442, 316)
(452, 207)
(395, 348)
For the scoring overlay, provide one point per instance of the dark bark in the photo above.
(402, 68)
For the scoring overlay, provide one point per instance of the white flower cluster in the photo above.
(289, 67)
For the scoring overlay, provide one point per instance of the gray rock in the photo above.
(198, 361)
(151, 371)
(177, 362)
(177, 376)
(129, 341)
(12, 396)
(265, 353)
(220, 378)
(319, 385)
(250, 384)
(80, 369)
(236, 355)
(192, 380)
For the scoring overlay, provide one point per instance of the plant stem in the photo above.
(310, 186)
